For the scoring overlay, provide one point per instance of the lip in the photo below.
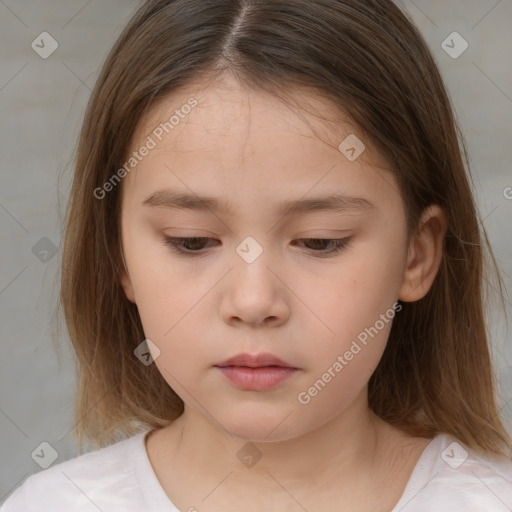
(255, 361)
(257, 379)
(256, 373)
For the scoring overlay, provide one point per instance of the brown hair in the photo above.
(368, 59)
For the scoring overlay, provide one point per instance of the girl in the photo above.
(272, 273)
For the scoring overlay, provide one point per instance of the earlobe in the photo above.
(125, 280)
(127, 286)
(425, 255)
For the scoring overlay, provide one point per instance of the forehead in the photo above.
(218, 137)
(224, 106)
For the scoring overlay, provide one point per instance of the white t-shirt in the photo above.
(119, 478)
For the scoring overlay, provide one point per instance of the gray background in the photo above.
(42, 102)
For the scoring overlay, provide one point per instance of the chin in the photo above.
(258, 429)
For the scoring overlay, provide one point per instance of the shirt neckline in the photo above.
(155, 496)
(419, 476)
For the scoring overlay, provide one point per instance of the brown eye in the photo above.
(195, 245)
(319, 245)
(186, 245)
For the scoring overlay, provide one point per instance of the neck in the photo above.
(346, 447)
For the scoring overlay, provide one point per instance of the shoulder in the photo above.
(449, 475)
(82, 483)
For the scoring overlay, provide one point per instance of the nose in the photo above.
(255, 291)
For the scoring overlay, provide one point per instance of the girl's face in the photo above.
(260, 281)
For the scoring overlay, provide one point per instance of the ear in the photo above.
(425, 254)
(127, 286)
(126, 281)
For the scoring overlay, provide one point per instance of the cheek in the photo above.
(170, 321)
(340, 374)
(163, 297)
(348, 297)
(353, 307)
(172, 312)
(170, 318)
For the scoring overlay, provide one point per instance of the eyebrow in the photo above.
(331, 203)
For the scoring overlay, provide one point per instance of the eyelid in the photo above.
(173, 243)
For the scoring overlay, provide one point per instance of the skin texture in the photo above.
(254, 152)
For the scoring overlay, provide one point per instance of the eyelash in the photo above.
(176, 245)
